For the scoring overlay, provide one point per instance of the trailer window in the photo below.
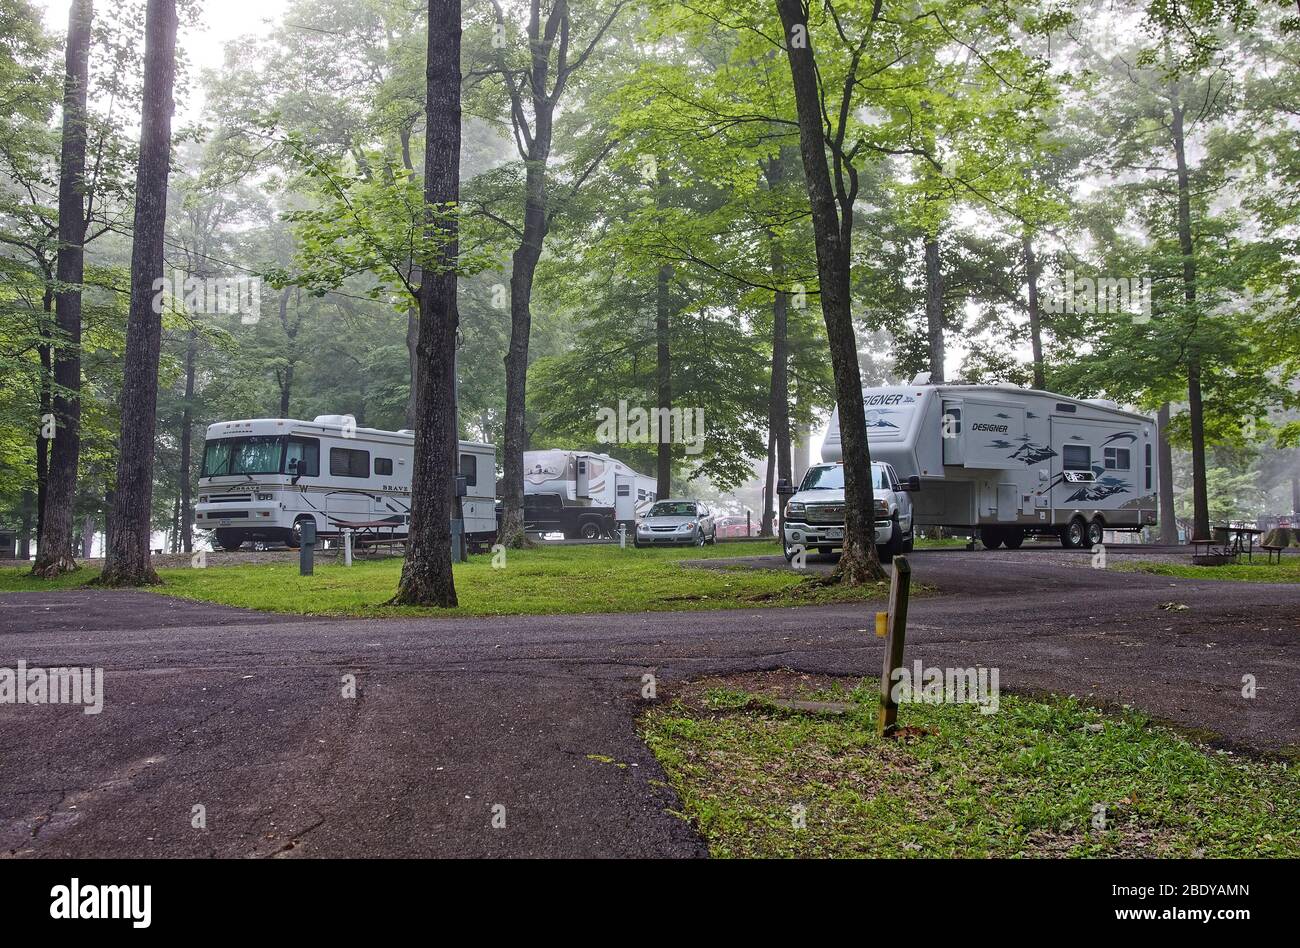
(1148, 466)
(348, 462)
(1116, 459)
(469, 469)
(302, 457)
(384, 466)
(1076, 457)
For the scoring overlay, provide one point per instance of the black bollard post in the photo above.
(307, 547)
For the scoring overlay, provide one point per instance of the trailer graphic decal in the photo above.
(1029, 452)
(875, 418)
(1102, 486)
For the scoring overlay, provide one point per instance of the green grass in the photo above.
(1023, 781)
(1288, 571)
(949, 543)
(570, 579)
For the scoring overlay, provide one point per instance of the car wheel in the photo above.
(699, 538)
(991, 537)
(1013, 539)
(1096, 528)
(1075, 535)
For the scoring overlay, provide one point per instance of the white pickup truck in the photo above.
(814, 514)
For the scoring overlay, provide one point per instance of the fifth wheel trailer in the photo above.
(1008, 462)
(582, 494)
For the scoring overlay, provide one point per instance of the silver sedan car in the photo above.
(677, 521)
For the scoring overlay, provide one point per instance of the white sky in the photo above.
(220, 22)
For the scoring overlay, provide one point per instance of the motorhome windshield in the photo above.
(831, 477)
(251, 455)
(262, 454)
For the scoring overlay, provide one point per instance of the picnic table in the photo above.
(369, 535)
(1228, 540)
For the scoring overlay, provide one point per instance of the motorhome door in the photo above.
(950, 429)
(582, 477)
(625, 497)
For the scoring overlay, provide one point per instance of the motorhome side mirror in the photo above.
(784, 488)
(913, 484)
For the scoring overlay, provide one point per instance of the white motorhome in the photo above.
(589, 493)
(1008, 463)
(262, 478)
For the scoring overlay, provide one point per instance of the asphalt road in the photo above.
(243, 713)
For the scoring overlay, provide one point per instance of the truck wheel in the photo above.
(1013, 539)
(991, 537)
(1095, 531)
(1075, 534)
(590, 530)
(895, 546)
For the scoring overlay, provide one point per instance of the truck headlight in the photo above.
(882, 507)
(794, 507)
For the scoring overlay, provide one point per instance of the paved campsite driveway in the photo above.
(243, 713)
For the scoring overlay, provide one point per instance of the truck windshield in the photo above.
(251, 455)
(831, 477)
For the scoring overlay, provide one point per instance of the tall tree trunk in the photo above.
(832, 235)
(1035, 312)
(1195, 409)
(42, 442)
(25, 525)
(523, 269)
(778, 413)
(56, 551)
(285, 379)
(934, 309)
(126, 559)
(87, 536)
(663, 381)
(1165, 472)
(413, 356)
(426, 572)
(187, 438)
(769, 487)
(799, 452)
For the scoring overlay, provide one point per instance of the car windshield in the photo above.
(253, 455)
(831, 477)
(673, 509)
